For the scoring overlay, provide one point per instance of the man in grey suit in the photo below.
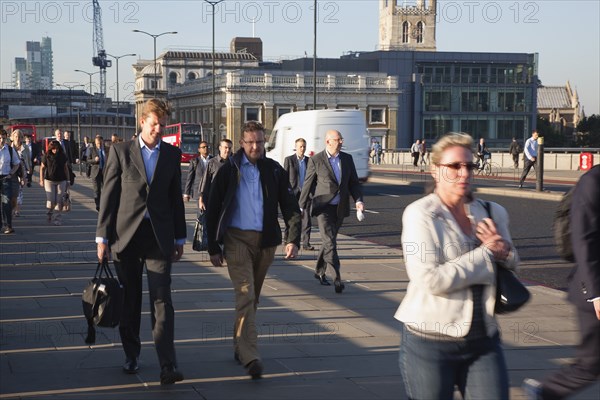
(142, 221)
(330, 179)
(196, 171)
(296, 166)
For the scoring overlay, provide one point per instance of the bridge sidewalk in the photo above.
(315, 343)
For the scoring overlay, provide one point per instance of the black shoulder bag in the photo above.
(511, 294)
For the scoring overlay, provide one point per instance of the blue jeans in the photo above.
(431, 368)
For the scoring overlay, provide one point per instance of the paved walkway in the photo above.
(315, 343)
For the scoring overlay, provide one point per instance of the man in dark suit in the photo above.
(296, 166)
(97, 161)
(142, 220)
(330, 179)
(196, 171)
(65, 144)
(36, 156)
(583, 292)
(214, 164)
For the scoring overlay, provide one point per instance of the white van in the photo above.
(312, 126)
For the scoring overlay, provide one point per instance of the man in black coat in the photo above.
(97, 161)
(583, 292)
(36, 156)
(296, 166)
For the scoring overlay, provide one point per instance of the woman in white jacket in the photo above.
(449, 333)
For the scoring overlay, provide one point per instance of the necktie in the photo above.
(101, 159)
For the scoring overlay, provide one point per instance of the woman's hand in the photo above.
(488, 235)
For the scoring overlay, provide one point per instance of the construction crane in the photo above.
(100, 60)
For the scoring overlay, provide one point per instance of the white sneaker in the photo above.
(532, 389)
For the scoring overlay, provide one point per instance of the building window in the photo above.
(475, 127)
(173, 78)
(191, 76)
(436, 127)
(252, 113)
(405, 30)
(474, 102)
(419, 33)
(437, 101)
(283, 110)
(377, 115)
(509, 128)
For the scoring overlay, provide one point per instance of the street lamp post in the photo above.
(154, 36)
(213, 3)
(70, 87)
(117, 60)
(91, 95)
(315, 58)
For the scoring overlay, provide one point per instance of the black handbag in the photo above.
(200, 242)
(511, 294)
(102, 300)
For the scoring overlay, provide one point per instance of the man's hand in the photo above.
(186, 197)
(178, 252)
(103, 251)
(201, 205)
(291, 251)
(597, 308)
(217, 260)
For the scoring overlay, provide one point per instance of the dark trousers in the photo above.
(306, 228)
(129, 264)
(329, 225)
(415, 158)
(526, 168)
(515, 158)
(6, 191)
(97, 183)
(586, 369)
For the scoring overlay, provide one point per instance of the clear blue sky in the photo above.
(565, 33)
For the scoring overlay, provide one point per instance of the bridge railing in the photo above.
(563, 159)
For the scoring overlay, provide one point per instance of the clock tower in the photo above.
(407, 26)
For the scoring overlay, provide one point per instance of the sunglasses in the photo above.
(458, 165)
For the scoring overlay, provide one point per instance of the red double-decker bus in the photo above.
(26, 129)
(185, 136)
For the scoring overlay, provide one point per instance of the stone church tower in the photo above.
(407, 27)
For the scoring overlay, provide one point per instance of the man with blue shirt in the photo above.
(142, 221)
(243, 230)
(530, 155)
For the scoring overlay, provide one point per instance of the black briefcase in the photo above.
(102, 300)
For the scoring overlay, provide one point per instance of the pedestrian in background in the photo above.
(415, 151)
(54, 178)
(331, 179)
(296, 165)
(196, 170)
(142, 222)
(583, 293)
(450, 245)
(36, 157)
(9, 164)
(213, 166)
(515, 150)
(530, 156)
(244, 197)
(97, 155)
(20, 178)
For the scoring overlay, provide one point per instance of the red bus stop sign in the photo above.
(586, 161)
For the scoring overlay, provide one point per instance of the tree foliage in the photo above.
(552, 137)
(588, 131)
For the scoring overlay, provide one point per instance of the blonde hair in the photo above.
(450, 140)
(158, 107)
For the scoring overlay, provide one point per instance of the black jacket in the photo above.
(276, 192)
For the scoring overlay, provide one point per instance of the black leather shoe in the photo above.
(308, 247)
(339, 286)
(170, 375)
(131, 366)
(323, 279)
(255, 369)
